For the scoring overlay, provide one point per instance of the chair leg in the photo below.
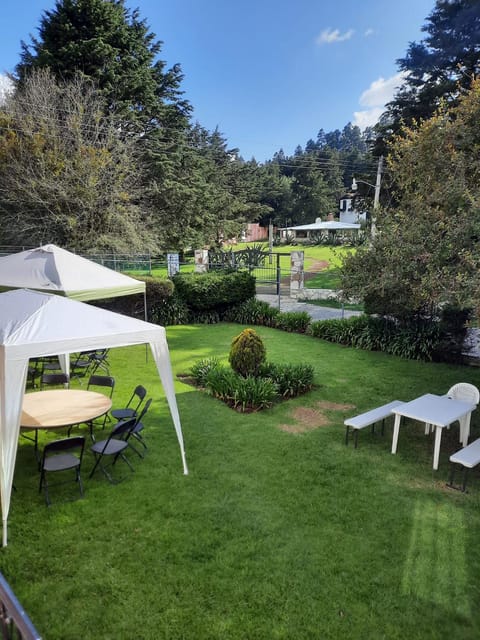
(452, 475)
(97, 461)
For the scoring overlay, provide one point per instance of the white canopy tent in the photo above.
(55, 270)
(329, 225)
(34, 324)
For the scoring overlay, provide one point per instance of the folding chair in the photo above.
(99, 360)
(34, 371)
(62, 455)
(113, 447)
(136, 431)
(105, 382)
(81, 365)
(54, 379)
(133, 405)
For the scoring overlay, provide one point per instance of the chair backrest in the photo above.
(99, 359)
(144, 410)
(54, 379)
(76, 443)
(464, 391)
(101, 381)
(121, 429)
(139, 394)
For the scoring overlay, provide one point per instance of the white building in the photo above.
(348, 211)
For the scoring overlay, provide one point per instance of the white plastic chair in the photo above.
(467, 393)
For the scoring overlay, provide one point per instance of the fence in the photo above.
(271, 270)
(14, 622)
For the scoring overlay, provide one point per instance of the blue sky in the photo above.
(268, 73)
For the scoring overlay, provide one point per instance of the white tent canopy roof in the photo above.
(55, 270)
(39, 324)
(330, 225)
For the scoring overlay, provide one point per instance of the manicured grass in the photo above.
(273, 534)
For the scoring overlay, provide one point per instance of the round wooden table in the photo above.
(59, 408)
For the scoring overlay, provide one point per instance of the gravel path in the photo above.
(315, 312)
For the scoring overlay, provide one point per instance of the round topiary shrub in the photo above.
(247, 353)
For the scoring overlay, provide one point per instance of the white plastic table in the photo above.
(439, 411)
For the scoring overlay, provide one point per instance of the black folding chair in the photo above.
(99, 360)
(136, 432)
(133, 405)
(54, 379)
(34, 371)
(81, 365)
(113, 448)
(105, 382)
(62, 455)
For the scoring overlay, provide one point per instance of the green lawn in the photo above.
(279, 533)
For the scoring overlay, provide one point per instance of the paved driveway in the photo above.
(315, 312)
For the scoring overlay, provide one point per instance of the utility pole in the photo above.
(376, 186)
(376, 199)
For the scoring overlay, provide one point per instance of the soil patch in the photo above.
(307, 419)
(318, 265)
(333, 406)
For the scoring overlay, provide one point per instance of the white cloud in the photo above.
(369, 32)
(333, 35)
(6, 86)
(375, 98)
(367, 118)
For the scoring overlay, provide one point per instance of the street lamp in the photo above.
(376, 186)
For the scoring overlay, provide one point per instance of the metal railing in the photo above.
(14, 621)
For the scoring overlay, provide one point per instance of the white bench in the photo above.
(369, 418)
(468, 457)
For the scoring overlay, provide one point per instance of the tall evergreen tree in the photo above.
(108, 43)
(440, 67)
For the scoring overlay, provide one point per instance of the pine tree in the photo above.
(440, 67)
(108, 43)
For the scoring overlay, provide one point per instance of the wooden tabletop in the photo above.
(62, 408)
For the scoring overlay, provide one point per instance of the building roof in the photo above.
(330, 225)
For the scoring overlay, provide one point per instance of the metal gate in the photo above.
(266, 267)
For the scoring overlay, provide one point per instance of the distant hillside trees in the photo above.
(308, 184)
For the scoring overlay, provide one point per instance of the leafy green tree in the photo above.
(66, 176)
(426, 253)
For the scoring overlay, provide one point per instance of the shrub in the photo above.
(417, 341)
(291, 380)
(163, 306)
(202, 368)
(220, 382)
(253, 311)
(253, 393)
(247, 353)
(214, 290)
(242, 393)
(293, 321)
